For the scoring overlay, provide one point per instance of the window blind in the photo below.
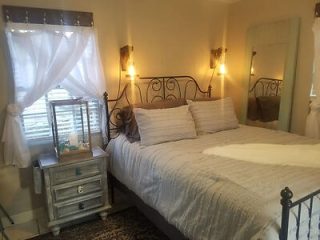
(36, 119)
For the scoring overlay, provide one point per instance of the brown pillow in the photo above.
(269, 107)
(129, 125)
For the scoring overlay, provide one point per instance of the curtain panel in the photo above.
(43, 57)
(313, 119)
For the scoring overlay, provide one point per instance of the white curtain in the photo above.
(313, 119)
(44, 56)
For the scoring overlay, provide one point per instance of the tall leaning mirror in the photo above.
(270, 73)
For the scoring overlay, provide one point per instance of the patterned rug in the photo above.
(129, 224)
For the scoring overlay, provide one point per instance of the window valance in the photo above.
(46, 16)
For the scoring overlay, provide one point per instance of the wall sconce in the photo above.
(126, 62)
(252, 63)
(217, 60)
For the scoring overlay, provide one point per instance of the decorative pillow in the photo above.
(164, 125)
(269, 107)
(127, 119)
(213, 116)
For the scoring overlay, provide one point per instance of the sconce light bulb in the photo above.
(131, 71)
(252, 71)
(223, 69)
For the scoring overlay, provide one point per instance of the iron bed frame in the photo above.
(266, 87)
(263, 87)
(173, 87)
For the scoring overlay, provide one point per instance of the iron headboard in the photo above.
(148, 90)
(266, 87)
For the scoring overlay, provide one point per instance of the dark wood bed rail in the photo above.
(287, 204)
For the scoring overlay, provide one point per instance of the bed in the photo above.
(264, 103)
(197, 195)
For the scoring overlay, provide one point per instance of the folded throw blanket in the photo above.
(277, 154)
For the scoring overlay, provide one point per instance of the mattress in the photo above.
(214, 197)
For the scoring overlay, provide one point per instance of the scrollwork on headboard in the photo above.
(148, 90)
(266, 87)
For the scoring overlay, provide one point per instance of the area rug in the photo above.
(128, 224)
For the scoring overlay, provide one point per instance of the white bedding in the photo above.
(279, 154)
(213, 197)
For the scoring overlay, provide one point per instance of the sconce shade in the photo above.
(217, 60)
(216, 57)
(132, 72)
(125, 53)
(222, 69)
(252, 70)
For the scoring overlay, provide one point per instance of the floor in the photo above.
(24, 230)
(129, 224)
(34, 228)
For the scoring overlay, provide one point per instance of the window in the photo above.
(36, 118)
(44, 56)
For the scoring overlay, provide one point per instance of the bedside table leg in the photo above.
(55, 230)
(103, 215)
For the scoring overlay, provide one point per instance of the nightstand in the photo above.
(75, 188)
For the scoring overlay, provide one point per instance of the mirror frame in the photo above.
(288, 77)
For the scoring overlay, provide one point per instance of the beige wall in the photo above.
(169, 37)
(248, 13)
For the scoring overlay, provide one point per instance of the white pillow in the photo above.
(163, 125)
(213, 116)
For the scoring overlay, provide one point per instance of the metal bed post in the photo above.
(286, 195)
(209, 91)
(106, 98)
(110, 184)
(1, 225)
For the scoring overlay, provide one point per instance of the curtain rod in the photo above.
(46, 16)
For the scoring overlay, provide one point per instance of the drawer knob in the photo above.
(80, 189)
(81, 206)
(78, 171)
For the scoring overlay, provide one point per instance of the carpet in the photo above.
(128, 224)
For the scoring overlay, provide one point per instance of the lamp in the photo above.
(217, 60)
(252, 63)
(126, 62)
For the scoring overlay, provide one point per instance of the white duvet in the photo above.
(214, 197)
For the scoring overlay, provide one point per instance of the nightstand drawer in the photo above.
(82, 204)
(74, 172)
(78, 188)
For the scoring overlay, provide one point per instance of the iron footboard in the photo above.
(287, 205)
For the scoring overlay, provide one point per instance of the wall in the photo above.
(169, 37)
(248, 13)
